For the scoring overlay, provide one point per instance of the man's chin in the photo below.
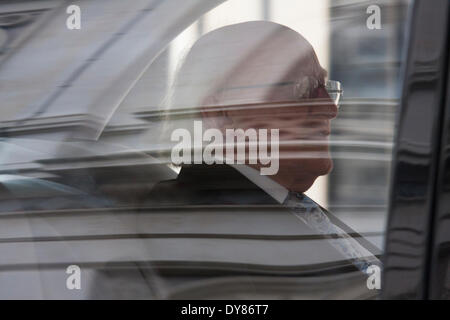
(296, 183)
(302, 186)
(327, 166)
(305, 167)
(298, 180)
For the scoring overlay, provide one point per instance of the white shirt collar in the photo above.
(274, 189)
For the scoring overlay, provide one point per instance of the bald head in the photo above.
(248, 62)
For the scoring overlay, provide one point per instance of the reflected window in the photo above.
(236, 151)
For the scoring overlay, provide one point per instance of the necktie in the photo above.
(313, 216)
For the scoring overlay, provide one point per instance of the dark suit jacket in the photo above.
(222, 185)
(216, 187)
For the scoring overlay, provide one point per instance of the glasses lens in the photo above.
(334, 89)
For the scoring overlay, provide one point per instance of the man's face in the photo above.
(304, 129)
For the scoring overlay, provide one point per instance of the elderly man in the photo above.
(261, 75)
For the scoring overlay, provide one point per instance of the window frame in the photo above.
(440, 248)
(416, 154)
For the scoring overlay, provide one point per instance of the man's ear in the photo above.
(213, 116)
(216, 119)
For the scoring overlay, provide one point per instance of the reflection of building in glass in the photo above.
(15, 22)
(74, 103)
(367, 62)
(82, 111)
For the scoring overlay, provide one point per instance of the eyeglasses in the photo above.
(306, 88)
(334, 90)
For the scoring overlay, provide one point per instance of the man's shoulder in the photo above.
(209, 184)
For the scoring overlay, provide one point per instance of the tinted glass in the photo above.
(191, 149)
